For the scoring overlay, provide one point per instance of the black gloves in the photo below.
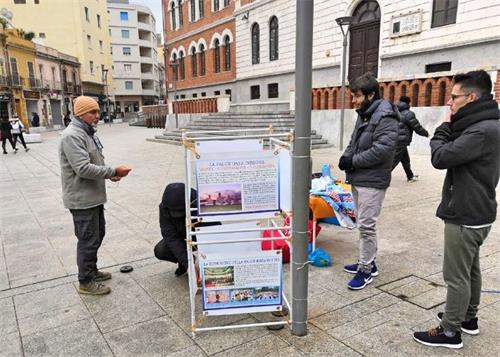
(345, 163)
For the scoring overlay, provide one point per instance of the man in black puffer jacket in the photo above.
(467, 145)
(367, 161)
(407, 125)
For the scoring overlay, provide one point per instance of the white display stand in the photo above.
(242, 181)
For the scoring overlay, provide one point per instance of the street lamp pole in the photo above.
(105, 77)
(174, 65)
(343, 21)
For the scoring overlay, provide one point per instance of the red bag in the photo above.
(281, 243)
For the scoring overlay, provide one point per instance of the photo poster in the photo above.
(245, 283)
(247, 183)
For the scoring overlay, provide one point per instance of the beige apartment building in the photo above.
(75, 27)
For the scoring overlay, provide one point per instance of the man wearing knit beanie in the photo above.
(83, 175)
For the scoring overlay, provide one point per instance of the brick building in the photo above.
(414, 48)
(199, 36)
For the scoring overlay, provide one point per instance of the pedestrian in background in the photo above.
(407, 125)
(467, 145)
(35, 121)
(17, 132)
(367, 161)
(83, 175)
(6, 131)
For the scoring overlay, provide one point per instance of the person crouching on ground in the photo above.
(467, 145)
(83, 175)
(367, 161)
(172, 212)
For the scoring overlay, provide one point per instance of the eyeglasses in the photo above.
(455, 96)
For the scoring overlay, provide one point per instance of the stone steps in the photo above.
(282, 122)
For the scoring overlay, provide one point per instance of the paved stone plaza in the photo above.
(146, 314)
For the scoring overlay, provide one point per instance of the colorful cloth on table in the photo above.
(341, 202)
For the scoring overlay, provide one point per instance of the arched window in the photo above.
(255, 43)
(442, 93)
(179, 5)
(172, 16)
(201, 8)
(414, 96)
(391, 93)
(227, 54)
(273, 39)
(334, 99)
(381, 91)
(216, 56)
(182, 72)
(428, 94)
(202, 60)
(174, 67)
(403, 90)
(216, 5)
(327, 97)
(194, 62)
(192, 8)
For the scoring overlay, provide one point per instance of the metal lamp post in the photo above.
(344, 24)
(105, 78)
(174, 66)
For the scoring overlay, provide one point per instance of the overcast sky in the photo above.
(155, 6)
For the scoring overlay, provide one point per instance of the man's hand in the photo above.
(447, 118)
(122, 170)
(345, 163)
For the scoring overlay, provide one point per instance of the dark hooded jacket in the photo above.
(372, 146)
(173, 224)
(469, 148)
(408, 124)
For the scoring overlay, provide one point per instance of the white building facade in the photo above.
(395, 39)
(135, 64)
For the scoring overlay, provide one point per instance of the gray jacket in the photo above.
(372, 146)
(83, 171)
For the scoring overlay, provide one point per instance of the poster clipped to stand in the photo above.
(238, 284)
(247, 184)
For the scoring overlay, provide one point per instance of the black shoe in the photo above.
(436, 338)
(181, 270)
(469, 327)
(5, 152)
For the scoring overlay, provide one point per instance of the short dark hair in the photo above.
(478, 82)
(367, 83)
(405, 99)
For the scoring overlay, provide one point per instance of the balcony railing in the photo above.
(17, 81)
(4, 81)
(34, 83)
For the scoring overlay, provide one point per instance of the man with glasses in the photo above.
(83, 175)
(467, 145)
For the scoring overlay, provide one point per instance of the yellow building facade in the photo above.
(75, 27)
(19, 55)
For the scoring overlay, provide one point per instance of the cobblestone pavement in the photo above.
(41, 312)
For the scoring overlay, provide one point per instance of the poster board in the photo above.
(235, 284)
(239, 184)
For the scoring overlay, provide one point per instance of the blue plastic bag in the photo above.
(320, 258)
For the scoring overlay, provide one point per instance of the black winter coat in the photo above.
(5, 128)
(469, 148)
(408, 124)
(372, 146)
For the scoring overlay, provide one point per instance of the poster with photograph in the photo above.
(242, 185)
(230, 282)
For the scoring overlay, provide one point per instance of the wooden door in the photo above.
(363, 49)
